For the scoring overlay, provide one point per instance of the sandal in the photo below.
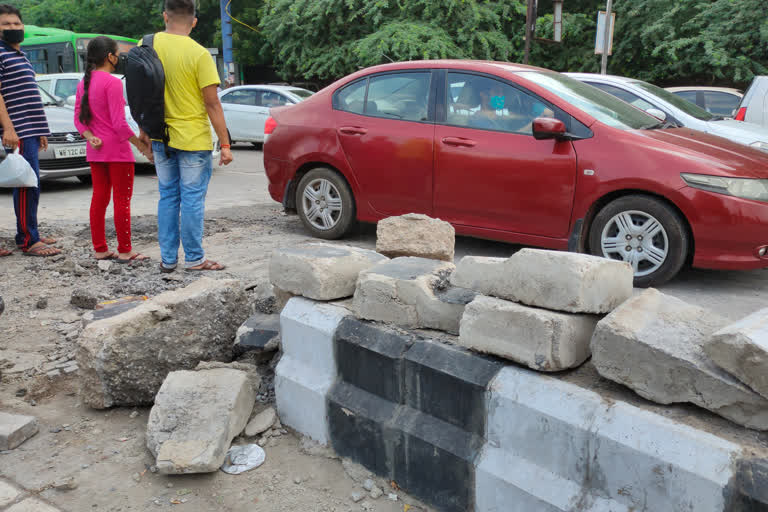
(110, 256)
(4, 253)
(207, 265)
(167, 270)
(135, 257)
(41, 250)
(46, 241)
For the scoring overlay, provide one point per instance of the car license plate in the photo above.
(71, 151)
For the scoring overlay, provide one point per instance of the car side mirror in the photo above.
(71, 101)
(659, 114)
(548, 128)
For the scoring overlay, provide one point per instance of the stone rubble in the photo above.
(15, 429)
(416, 235)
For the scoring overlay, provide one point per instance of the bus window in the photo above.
(38, 57)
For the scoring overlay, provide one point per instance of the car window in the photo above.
(241, 97)
(352, 97)
(632, 99)
(272, 99)
(487, 104)
(45, 84)
(399, 96)
(687, 95)
(689, 108)
(721, 103)
(65, 87)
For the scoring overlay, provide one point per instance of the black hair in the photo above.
(98, 50)
(184, 8)
(10, 9)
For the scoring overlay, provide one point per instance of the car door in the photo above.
(385, 126)
(239, 107)
(489, 170)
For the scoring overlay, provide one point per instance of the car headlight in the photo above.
(763, 146)
(746, 188)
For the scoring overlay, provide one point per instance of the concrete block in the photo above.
(480, 273)
(300, 392)
(370, 357)
(320, 271)
(411, 293)
(195, 417)
(8, 493)
(260, 333)
(741, 349)
(416, 235)
(555, 446)
(15, 429)
(653, 344)
(541, 339)
(307, 330)
(449, 383)
(32, 505)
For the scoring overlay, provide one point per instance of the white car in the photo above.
(674, 109)
(754, 106)
(246, 108)
(721, 101)
(64, 86)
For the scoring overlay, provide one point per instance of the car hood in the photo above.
(738, 131)
(60, 119)
(712, 154)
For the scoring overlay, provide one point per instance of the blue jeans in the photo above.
(183, 178)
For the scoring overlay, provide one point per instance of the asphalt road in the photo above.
(243, 184)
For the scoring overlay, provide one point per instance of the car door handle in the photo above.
(459, 141)
(352, 130)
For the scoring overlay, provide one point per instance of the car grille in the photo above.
(61, 164)
(65, 138)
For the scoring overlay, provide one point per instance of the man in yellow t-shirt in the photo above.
(184, 168)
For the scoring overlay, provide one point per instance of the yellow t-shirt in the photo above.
(188, 68)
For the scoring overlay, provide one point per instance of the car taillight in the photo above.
(741, 114)
(269, 126)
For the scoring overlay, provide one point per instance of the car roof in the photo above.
(266, 87)
(606, 78)
(704, 88)
(60, 75)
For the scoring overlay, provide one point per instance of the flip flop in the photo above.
(207, 266)
(166, 270)
(136, 257)
(110, 256)
(4, 253)
(38, 251)
(46, 241)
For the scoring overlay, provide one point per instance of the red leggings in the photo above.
(109, 176)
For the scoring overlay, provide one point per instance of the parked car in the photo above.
(523, 155)
(64, 87)
(675, 109)
(754, 106)
(246, 108)
(65, 156)
(720, 101)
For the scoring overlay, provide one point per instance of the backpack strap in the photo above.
(148, 40)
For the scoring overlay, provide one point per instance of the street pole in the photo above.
(226, 42)
(606, 36)
(528, 31)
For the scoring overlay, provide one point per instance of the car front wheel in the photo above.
(646, 233)
(325, 204)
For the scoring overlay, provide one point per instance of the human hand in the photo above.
(10, 139)
(146, 150)
(95, 142)
(226, 156)
(43, 143)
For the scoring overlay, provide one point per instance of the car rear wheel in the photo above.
(325, 203)
(646, 233)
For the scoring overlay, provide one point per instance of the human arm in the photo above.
(216, 115)
(10, 139)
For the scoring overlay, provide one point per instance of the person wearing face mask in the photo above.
(100, 118)
(24, 126)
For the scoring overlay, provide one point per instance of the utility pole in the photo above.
(606, 37)
(530, 20)
(226, 42)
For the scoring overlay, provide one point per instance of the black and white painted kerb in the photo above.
(466, 432)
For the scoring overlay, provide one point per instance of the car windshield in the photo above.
(676, 101)
(602, 106)
(301, 93)
(48, 100)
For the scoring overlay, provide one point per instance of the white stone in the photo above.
(8, 493)
(653, 344)
(261, 422)
(15, 429)
(416, 235)
(195, 417)
(320, 271)
(741, 349)
(541, 339)
(411, 293)
(32, 505)
(480, 273)
(554, 446)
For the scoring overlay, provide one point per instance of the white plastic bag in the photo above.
(243, 458)
(15, 172)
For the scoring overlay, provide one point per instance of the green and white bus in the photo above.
(54, 50)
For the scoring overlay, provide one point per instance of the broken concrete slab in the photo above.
(251, 370)
(260, 333)
(560, 281)
(416, 235)
(261, 422)
(541, 339)
(412, 293)
(195, 417)
(124, 359)
(8, 493)
(741, 349)
(653, 344)
(15, 429)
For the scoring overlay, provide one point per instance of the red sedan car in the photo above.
(520, 154)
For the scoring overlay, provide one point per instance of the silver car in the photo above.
(754, 106)
(246, 108)
(65, 156)
(674, 109)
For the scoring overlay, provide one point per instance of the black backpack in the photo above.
(145, 86)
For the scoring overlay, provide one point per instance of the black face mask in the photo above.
(13, 36)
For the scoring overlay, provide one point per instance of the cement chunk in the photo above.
(416, 235)
(320, 271)
(195, 417)
(653, 344)
(15, 429)
(260, 333)
(411, 293)
(261, 422)
(741, 349)
(538, 338)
